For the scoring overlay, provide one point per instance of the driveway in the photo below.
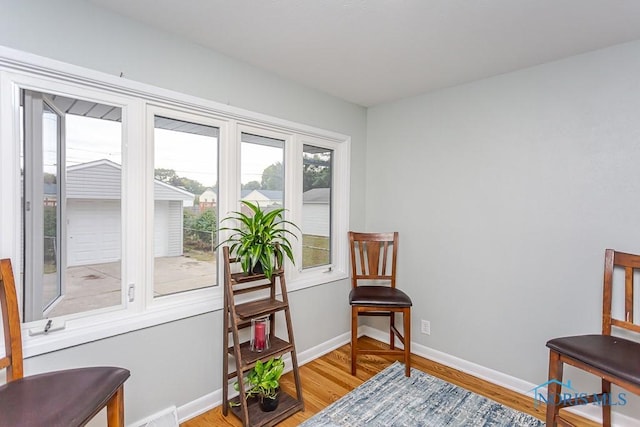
(91, 287)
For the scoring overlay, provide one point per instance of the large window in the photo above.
(112, 197)
(71, 171)
(317, 172)
(185, 205)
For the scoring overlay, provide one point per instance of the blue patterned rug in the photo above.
(391, 399)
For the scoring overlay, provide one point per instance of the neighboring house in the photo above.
(208, 200)
(316, 212)
(50, 194)
(94, 214)
(265, 198)
(316, 206)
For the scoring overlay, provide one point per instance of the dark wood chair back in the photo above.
(630, 265)
(38, 400)
(373, 257)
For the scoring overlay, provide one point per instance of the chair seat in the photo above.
(614, 355)
(64, 398)
(379, 296)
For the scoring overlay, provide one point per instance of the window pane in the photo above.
(72, 242)
(262, 170)
(185, 205)
(316, 206)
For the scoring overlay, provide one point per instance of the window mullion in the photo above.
(229, 187)
(293, 188)
(135, 267)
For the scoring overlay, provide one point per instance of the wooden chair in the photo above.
(616, 360)
(62, 398)
(370, 263)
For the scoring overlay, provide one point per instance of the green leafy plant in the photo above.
(263, 380)
(261, 238)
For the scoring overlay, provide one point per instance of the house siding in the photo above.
(97, 182)
(315, 219)
(174, 231)
(167, 192)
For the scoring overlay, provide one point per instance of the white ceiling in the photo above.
(374, 51)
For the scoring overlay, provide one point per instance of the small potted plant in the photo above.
(261, 240)
(263, 382)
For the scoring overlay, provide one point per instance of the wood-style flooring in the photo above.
(328, 378)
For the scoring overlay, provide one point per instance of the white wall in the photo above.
(509, 190)
(176, 363)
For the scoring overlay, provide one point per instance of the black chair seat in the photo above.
(64, 398)
(613, 355)
(379, 296)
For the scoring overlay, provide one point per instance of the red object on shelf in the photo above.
(260, 334)
(260, 338)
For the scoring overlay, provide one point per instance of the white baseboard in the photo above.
(199, 406)
(495, 377)
(211, 400)
(166, 417)
(324, 348)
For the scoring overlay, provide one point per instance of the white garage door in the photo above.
(160, 228)
(94, 231)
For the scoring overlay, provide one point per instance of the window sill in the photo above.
(315, 278)
(115, 324)
(162, 312)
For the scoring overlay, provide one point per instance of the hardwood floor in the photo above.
(328, 378)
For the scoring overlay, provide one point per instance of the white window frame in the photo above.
(19, 70)
(338, 268)
(189, 297)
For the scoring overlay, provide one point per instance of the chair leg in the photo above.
(392, 335)
(354, 339)
(115, 409)
(554, 388)
(606, 409)
(406, 317)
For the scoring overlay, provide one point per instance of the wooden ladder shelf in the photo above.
(238, 316)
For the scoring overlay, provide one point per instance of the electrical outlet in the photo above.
(425, 327)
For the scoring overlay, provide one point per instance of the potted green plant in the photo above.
(263, 382)
(261, 240)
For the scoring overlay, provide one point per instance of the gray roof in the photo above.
(50, 189)
(78, 186)
(269, 194)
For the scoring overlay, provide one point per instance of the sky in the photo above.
(191, 156)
